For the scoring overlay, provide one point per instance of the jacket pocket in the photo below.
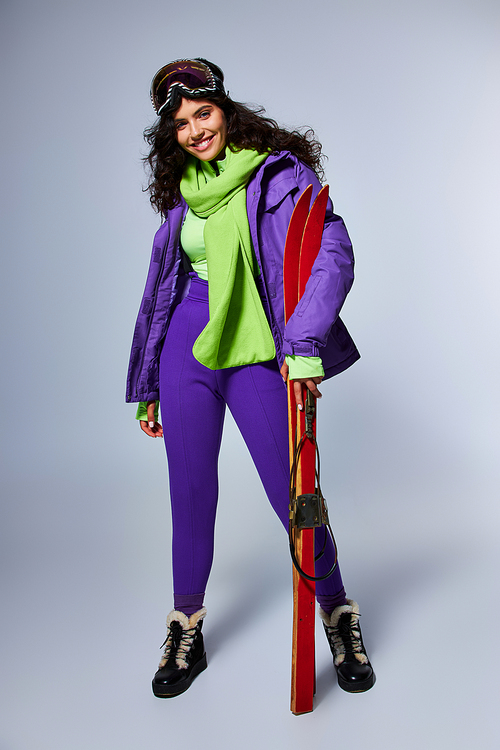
(275, 194)
(302, 304)
(153, 375)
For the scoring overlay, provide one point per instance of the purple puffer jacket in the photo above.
(314, 329)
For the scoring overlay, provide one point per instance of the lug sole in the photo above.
(170, 691)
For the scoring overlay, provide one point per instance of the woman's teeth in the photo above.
(203, 143)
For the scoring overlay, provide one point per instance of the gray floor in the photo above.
(84, 616)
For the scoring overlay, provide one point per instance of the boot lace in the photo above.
(345, 639)
(178, 644)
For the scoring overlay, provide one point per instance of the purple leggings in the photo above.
(193, 400)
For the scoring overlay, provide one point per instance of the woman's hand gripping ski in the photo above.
(311, 383)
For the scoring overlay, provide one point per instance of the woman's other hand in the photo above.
(151, 428)
(311, 383)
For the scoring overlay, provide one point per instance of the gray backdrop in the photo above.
(404, 97)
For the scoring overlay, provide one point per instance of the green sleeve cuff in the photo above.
(142, 411)
(304, 367)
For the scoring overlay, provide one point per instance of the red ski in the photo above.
(302, 245)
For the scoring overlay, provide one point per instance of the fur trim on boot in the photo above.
(189, 631)
(184, 655)
(354, 671)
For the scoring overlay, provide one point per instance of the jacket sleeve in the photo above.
(331, 279)
(160, 290)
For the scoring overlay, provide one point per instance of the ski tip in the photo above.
(297, 223)
(306, 192)
(303, 202)
(322, 196)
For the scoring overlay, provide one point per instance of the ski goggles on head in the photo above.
(191, 77)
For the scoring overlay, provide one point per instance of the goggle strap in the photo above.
(172, 90)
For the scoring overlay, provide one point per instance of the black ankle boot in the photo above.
(184, 656)
(354, 671)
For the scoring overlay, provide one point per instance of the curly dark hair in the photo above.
(247, 127)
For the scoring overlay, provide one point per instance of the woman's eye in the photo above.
(179, 125)
(205, 114)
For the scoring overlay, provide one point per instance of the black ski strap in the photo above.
(308, 511)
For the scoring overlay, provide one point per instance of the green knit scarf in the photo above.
(238, 332)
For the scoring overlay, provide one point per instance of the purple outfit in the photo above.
(193, 398)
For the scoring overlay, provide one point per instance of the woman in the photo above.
(211, 332)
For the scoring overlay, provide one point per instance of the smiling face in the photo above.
(200, 127)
